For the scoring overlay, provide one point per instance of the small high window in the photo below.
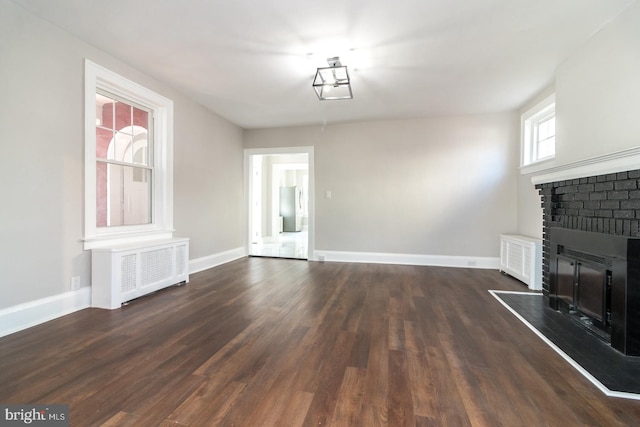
(539, 132)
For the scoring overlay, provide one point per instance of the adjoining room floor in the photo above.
(286, 245)
(615, 371)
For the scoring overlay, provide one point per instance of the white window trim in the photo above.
(536, 114)
(97, 77)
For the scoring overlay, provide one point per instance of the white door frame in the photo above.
(255, 221)
(248, 152)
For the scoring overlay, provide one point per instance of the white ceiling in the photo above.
(253, 61)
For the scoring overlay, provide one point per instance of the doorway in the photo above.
(279, 184)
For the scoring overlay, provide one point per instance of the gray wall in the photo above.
(439, 186)
(41, 166)
(597, 105)
(208, 181)
(598, 93)
(529, 208)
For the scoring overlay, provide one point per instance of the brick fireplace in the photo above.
(591, 253)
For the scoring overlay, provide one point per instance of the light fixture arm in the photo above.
(334, 62)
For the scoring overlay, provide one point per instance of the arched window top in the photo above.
(130, 145)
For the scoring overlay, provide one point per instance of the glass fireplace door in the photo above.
(591, 291)
(565, 283)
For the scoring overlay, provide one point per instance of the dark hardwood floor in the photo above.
(277, 342)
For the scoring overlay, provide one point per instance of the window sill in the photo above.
(539, 166)
(104, 241)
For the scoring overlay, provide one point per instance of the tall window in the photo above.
(539, 132)
(128, 160)
(124, 163)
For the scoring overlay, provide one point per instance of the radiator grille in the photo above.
(180, 260)
(156, 266)
(128, 273)
(526, 260)
(516, 257)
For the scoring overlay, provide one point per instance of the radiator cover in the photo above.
(123, 273)
(521, 257)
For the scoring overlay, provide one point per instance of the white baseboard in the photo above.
(26, 315)
(409, 259)
(210, 261)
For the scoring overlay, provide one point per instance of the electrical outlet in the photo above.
(75, 283)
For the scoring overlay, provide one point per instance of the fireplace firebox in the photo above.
(594, 277)
(583, 289)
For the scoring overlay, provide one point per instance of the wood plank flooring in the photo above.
(272, 342)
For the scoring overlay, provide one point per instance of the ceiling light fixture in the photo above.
(333, 82)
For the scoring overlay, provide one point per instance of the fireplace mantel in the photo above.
(618, 161)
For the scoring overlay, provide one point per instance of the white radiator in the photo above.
(521, 257)
(122, 273)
